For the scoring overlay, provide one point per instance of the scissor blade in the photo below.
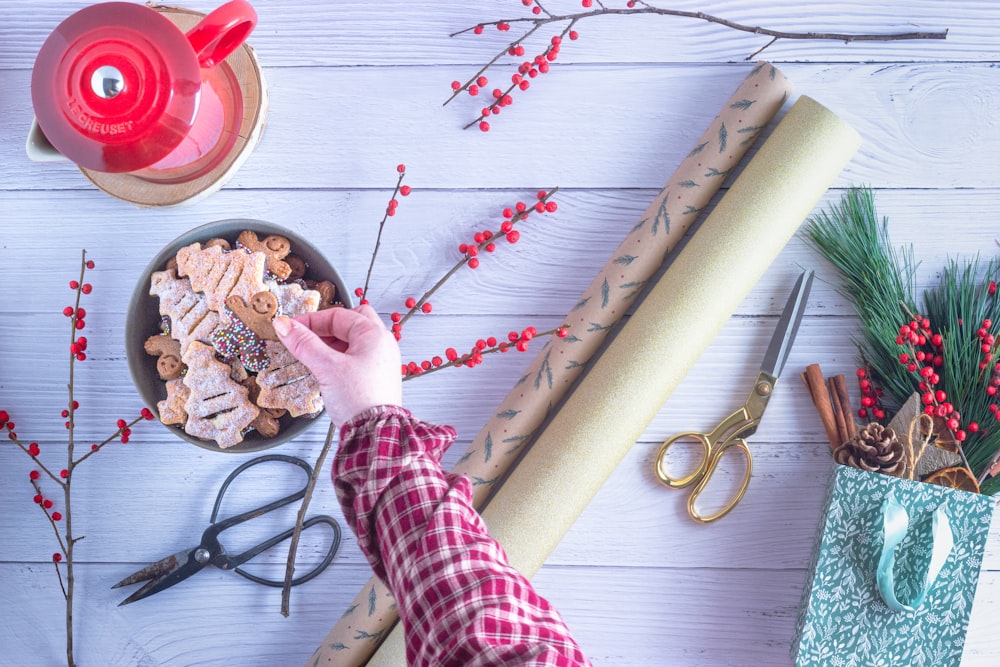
(788, 326)
(160, 575)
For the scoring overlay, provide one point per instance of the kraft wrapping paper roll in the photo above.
(622, 391)
(697, 179)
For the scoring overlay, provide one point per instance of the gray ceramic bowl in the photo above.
(144, 321)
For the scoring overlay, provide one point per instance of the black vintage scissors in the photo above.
(175, 568)
(731, 433)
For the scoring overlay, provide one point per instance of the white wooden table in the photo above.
(357, 87)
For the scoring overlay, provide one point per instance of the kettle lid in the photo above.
(116, 87)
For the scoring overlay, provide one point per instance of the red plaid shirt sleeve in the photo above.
(460, 601)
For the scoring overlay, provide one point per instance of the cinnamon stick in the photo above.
(813, 379)
(840, 419)
(840, 394)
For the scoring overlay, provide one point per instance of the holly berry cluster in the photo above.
(923, 357)
(484, 242)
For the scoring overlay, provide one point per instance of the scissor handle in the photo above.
(235, 561)
(661, 460)
(713, 462)
(217, 528)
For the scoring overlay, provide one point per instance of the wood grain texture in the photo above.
(356, 88)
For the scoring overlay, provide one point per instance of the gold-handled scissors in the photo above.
(731, 433)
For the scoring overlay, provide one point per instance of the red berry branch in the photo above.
(64, 478)
(483, 242)
(564, 25)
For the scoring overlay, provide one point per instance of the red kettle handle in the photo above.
(221, 32)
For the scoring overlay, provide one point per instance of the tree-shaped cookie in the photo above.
(191, 318)
(218, 407)
(287, 383)
(219, 274)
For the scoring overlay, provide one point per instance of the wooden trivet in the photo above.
(245, 67)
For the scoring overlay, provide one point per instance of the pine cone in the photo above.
(876, 449)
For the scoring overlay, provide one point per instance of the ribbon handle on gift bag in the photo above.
(895, 523)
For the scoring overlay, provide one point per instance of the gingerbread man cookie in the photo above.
(168, 352)
(275, 247)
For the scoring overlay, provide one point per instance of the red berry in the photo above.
(34, 449)
(33, 475)
(395, 317)
(484, 126)
(521, 207)
(56, 557)
(64, 473)
(47, 504)
(482, 81)
(551, 206)
(513, 236)
(401, 168)
(146, 413)
(121, 423)
(359, 292)
(521, 345)
(411, 302)
(437, 361)
(87, 288)
(426, 307)
(4, 416)
(562, 332)
(38, 499)
(81, 356)
(573, 34)
(473, 263)
(478, 30)
(80, 324)
(56, 516)
(90, 263)
(405, 190)
(451, 354)
(73, 284)
(960, 435)
(455, 85)
(68, 311)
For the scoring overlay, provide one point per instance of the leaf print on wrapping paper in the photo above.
(773, 72)
(597, 326)
(605, 293)
(697, 149)
(582, 302)
(712, 171)
(662, 216)
(479, 481)
(520, 440)
(372, 600)
(508, 414)
(637, 226)
(350, 610)
(373, 636)
(689, 184)
(571, 339)
(545, 370)
(723, 136)
(571, 364)
(625, 260)
(488, 446)
(336, 646)
(691, 210)
(752, 131)
(466, 456)
(756, 69)
(742, 104)
(635, 286)
(521, 380)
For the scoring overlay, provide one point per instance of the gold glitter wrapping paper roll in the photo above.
(623, 389)
(558, 364)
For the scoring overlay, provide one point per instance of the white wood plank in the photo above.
(383, 116)
(296, 33)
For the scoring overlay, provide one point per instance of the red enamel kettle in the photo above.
(117, 87)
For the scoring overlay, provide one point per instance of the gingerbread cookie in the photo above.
(172, 408)
(219, 274)
(167, 350)
(287, 383)
(258, 314)
(237, 342)
(298, 267)
(275, 247)
(191, 318)
(218, 408)
(266, 423)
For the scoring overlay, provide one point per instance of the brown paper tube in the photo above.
(560, 362)
(615, 401)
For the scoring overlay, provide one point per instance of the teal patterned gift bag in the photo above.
(894, 574)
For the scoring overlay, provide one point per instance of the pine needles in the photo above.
(879, 281)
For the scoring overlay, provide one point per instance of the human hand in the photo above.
(353, 356)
